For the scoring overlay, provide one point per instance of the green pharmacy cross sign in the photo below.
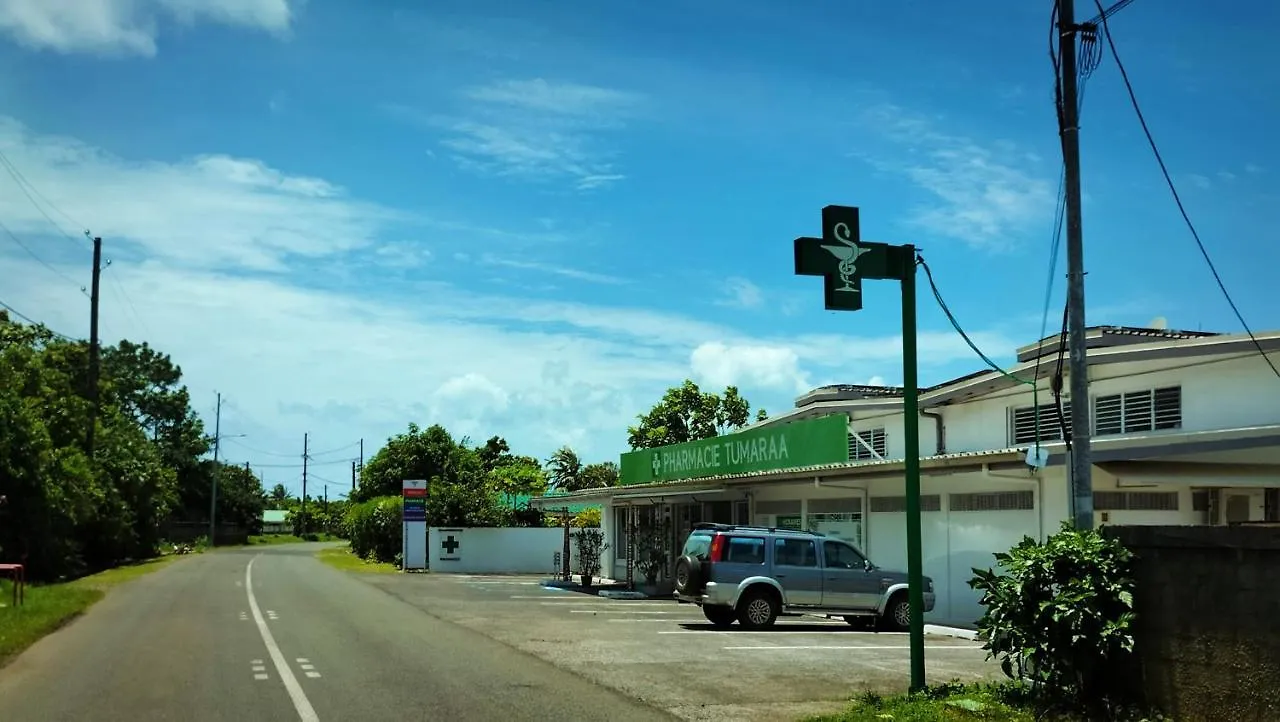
(843, 260)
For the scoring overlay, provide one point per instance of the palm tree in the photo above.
(279, 494)
(565, 469)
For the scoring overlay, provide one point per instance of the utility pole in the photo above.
(353, 476)
(93, 342)
(213, 494)
(362, 455)
(305, 438)
(1081, 459)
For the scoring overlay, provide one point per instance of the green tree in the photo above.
(598, 476)
(565, 469)
(279, 496)
(687, 413)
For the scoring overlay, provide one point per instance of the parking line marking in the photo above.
(660, 621)
(313, 675)
(615, 611)
(261, 677)
(772, 648)
(303, 660)
(603, 603)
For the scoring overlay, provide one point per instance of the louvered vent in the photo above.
(1022, 423)
(1138, 411)
(875, 438)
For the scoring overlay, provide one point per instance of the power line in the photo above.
(1177, 199)
(937, 295)
(33, 322)
(331, 451)
(24, 184)
(239, 443)
(40, 260)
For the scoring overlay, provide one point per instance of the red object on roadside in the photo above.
(18, 574)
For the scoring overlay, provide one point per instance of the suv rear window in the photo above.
(698, 545)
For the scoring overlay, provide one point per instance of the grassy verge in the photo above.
(48, 607)
(342, 558)
(270, 539)
(999, 702)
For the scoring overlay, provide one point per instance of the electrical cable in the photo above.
(33, 322)
(241, 444)
(24, 184)
(40, 260)
(352, 445)
(937, 295)
(1177, 199)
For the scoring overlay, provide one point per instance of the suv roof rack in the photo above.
(713, 526)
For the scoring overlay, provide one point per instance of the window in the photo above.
(795, 553)
(875, 438)
(993, 501)
(1022, 423)
(1136, 501)
(898, 504)
(699, 545)
(842, 556)
(745, 550)
(1138, 411)
(620, 531)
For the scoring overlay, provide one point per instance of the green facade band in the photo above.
(812, 442)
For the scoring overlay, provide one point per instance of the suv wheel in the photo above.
(719, 616)
(688, 575)
(758, 609)
(897, 613)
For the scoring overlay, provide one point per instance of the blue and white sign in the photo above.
(414, 519)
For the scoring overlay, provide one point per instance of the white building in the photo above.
(1186, 431)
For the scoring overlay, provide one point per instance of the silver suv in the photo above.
(753, 574)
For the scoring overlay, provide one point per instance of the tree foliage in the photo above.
(687, 413)
(67, 512)
(1060, 615)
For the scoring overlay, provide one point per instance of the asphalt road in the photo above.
(273, 634)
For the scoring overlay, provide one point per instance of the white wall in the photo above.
(1216, 394)
(516, 550)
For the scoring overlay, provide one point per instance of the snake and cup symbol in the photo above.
(849, 253)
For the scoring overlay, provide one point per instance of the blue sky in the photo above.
(530, 219)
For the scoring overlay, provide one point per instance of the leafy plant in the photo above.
(651, 549)
(1060, 615)
(589, 544)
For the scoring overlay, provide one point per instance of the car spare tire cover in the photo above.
(688, 574)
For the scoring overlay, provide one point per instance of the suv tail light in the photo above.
(717, 548)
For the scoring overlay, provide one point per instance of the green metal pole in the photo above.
(911, 434)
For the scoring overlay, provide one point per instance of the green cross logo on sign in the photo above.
(450, 544)
(843, 259)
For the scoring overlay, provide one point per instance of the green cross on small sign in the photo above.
(843, 259)
(450, 544)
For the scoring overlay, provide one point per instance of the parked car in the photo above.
(754, 574)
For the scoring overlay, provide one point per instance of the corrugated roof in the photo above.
(275, 516)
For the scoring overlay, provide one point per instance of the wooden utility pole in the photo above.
(213, 492)
(1080, 456)
(362, 455)
(353, 476)
(305, 440)
(94, 369)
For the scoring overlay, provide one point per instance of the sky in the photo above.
(530, 219)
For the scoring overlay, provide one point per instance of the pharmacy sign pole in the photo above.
(844, 261)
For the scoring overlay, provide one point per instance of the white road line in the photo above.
(261, 677)
(306, 713)
(307, 666)
(659, 621)
(604, 603)
(847, 646)
(313, 675)
(303, 660)
(616, 611)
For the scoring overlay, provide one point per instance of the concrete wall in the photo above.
(475, 550)
(1208, 619)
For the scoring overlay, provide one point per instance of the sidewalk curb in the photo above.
(970, 634)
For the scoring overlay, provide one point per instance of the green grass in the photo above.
(342, 558)
(999, 702)
(50, 606)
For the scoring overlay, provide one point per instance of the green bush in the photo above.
(374, 528)
(1060, 616)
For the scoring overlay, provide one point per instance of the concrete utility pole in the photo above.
(213, 494)
(94, 369)
(305, 440)
(353, 476)
(362, 455)
(1081, 459)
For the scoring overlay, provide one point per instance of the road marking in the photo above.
(303, 660)
(659, 621)
(306, 713)
(307, 666)
(261, 676)
(272, 615)
(848, 646)
(313, 675)
(244, 616)
(615, 611)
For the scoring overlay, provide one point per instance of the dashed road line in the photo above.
(272, 615)
(259, 670)
(617, 611)
(244, 616)
(779, 648)
(306, 713)
(308, 668)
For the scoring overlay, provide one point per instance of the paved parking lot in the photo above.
(668, 655)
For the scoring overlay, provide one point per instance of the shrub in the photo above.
(1060, 616)
(590, 543)
(374, 528)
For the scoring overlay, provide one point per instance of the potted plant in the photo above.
(590, 544)
(651, 554)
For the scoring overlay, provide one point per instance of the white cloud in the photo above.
(551, 269)
(771, 367)
(295, 352)
(128, 27)
(209, 210)
(537, 130)
(741, 293)
(985, 195)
